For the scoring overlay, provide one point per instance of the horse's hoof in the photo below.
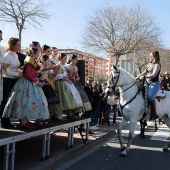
(122, 155)
(122, 149)
(165, 149)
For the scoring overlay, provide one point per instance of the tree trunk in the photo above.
(20, 36)
(117, 60)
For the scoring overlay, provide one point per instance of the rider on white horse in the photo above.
(152, 77)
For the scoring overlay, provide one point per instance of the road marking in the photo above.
(161, 134)
(125, 133)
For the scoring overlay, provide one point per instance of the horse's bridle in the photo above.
(115, 84)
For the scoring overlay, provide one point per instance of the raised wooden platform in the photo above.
(8, 137)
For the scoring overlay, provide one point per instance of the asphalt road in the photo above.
(145, 154)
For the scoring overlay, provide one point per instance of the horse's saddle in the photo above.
(142, 86)
(160, 94)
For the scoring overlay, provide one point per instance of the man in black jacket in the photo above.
(89, 92)
(88, 89)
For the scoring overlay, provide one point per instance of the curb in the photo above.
(73, 153)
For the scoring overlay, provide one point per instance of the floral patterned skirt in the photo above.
(26, 99)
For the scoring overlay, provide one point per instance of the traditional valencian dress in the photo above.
(26, 98)
(69, 96)
(54, 60)
(51, 96)
(73, 75)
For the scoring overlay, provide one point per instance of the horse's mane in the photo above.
(124, 72)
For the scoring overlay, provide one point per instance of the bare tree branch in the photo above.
(119, 30)
(22, 13)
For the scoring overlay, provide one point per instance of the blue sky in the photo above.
(66, 27)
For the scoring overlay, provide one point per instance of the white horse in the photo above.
(132, 105)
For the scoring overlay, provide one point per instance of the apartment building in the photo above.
(94, 66)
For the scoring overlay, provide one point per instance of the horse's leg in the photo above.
(142, 126)
(121, 125)
(156, 128)
(167, 122)
(130, 137)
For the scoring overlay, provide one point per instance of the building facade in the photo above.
(95, 67)
(126, 61)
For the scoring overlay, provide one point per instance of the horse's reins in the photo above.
(122, 106)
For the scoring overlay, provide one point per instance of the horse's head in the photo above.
(113, 79)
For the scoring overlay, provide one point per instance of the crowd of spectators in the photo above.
(41, 86)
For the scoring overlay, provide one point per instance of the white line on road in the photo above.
(125, 133)
(162, 134)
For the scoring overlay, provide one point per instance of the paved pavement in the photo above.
(28, 152)
(144, 153)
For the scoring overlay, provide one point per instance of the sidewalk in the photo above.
(28, 152)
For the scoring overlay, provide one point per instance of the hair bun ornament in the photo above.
(45, 47)
(44, 58)
(30, 52)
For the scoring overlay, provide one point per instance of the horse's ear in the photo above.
(115, 67)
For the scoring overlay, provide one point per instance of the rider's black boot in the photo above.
(153, 111)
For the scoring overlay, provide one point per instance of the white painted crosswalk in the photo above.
(162, 134)
(125, 133)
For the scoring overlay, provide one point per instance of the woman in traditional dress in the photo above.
(27, 100)
(45, 76)
(53, 57)
(47, 52)
(70, 99)
(35, 44)
(55, 110)
(72, 70)
(51, 95)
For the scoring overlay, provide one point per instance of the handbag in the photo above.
(111, 100)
